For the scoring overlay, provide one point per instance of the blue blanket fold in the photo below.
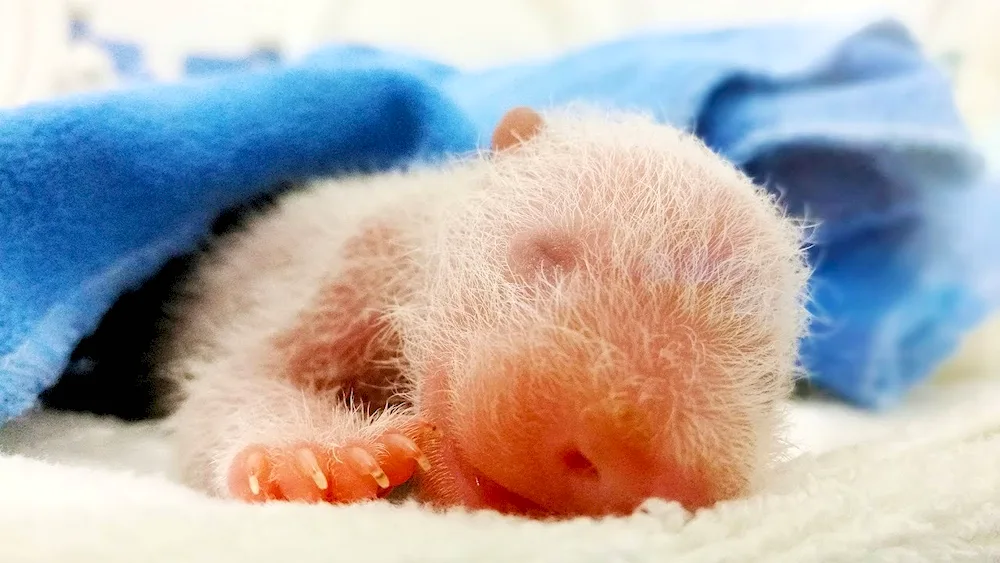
(851, 124)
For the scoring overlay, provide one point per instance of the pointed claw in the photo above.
(254, 461)
(309, 463)
(365, 463)
(411, 448)
(422, 461)
(254, 484)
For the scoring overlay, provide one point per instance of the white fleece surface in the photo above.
(919, 483)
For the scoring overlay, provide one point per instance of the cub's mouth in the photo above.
(453, 480)
(475, 490)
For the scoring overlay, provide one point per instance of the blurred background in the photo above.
(39, 58)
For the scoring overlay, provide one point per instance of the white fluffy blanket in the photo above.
(922, 484)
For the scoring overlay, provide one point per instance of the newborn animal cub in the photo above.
(598, 312)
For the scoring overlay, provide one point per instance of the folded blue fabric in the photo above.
(850, 123)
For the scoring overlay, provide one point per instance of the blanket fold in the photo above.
(851, 124)
(98, 191)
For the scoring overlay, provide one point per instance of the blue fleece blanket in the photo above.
(850, 123)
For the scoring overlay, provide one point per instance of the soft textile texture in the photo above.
(849, 123)
(926, 490)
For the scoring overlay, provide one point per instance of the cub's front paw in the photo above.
(312, 472)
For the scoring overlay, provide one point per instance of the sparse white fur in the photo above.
(713, 249)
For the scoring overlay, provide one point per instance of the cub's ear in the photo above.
(517, 126)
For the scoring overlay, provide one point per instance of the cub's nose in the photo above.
(605, 469)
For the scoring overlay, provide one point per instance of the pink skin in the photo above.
(622, 384)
